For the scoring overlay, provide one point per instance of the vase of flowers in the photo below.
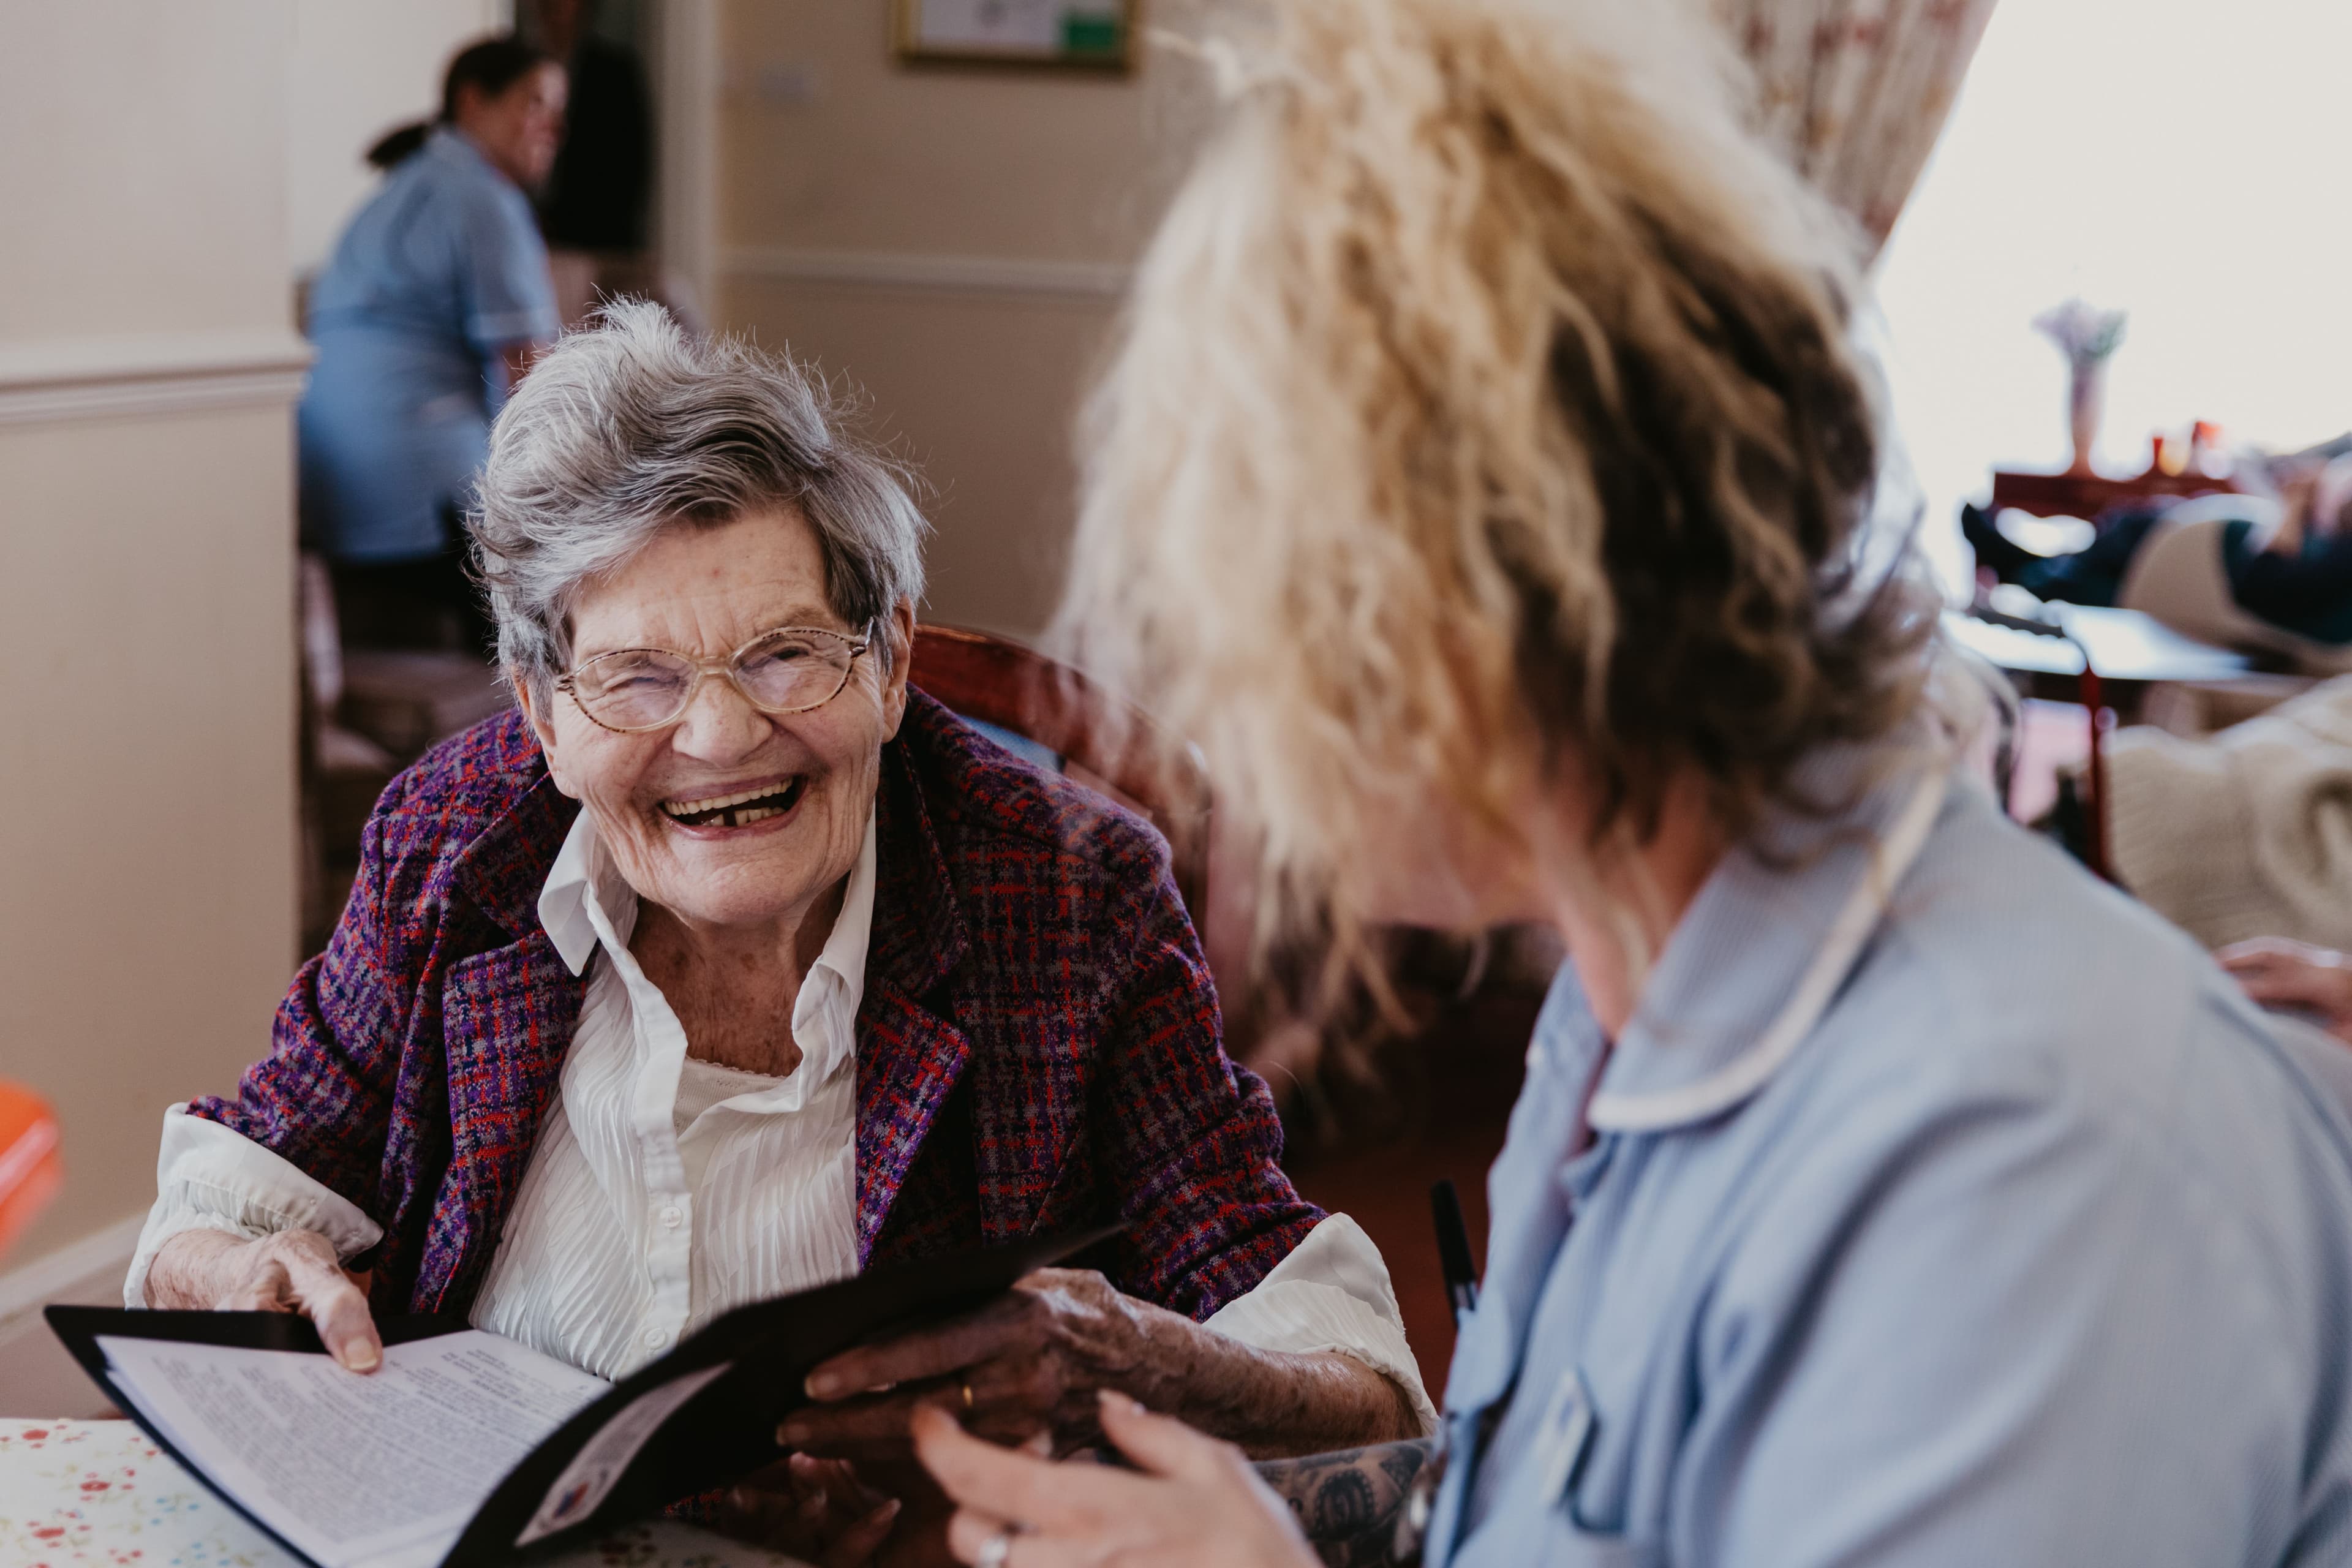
(2088, 338)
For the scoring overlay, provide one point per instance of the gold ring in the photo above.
(967, 1392)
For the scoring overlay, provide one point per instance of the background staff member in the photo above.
(436, 295)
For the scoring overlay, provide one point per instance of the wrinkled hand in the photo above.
(1198, 1502)
(292, 1272)
(1033, 1362)
(2277, 973)
(816, 1510)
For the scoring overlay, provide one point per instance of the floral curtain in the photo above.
(1856, 90)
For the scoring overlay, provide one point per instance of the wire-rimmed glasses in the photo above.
(788, 670)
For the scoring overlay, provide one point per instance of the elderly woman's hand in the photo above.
(1034, 1361)
(292, 1272)
(1028, 1362)
(1197, 1501)
(2277, 973)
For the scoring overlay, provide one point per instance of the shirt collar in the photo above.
(1765, 946)
(586, 902)
(583, 871)
(840, 967)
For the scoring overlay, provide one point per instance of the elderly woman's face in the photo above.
(704, 592)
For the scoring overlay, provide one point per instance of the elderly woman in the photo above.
(732, 964)
(1482, 478)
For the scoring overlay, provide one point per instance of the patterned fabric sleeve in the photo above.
(1192, 1146)
(321, 1100)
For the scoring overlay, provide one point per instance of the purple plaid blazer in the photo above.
(1037, 1049)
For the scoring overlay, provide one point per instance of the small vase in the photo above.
(2086, 403)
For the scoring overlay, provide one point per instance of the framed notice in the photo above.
(1087, 35)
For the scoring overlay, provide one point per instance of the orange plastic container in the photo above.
(30, 1170)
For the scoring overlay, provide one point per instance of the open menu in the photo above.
(464, 1447)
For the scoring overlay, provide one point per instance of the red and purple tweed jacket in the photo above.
(1037, 1049)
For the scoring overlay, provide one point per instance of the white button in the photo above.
(656, 1337)
(672, 1216)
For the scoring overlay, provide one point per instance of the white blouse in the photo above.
(664, 1190)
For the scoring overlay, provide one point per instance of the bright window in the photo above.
(2176, 158)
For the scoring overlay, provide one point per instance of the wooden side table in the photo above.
(2090, 495)
(2094, 656)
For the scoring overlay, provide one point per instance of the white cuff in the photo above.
(1332, 1293)
(210, 1178)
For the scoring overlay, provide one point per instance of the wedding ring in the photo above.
(994, 1551)
(967, 1405)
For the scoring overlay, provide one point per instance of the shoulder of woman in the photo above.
(987, 803)
(2115, 1085)
(467, 184)
(488, 780)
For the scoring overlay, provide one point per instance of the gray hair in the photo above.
(631, 427)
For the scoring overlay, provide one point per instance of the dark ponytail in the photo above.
(489, 68)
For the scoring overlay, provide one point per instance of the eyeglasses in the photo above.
(790, 670)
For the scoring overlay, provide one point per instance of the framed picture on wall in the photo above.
(1089, 34)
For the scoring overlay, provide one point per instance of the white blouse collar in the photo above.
(584, 891)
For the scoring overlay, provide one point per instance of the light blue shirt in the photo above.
(435, 276)
(1979, 1223)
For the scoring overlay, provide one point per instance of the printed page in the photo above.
(376, 1472)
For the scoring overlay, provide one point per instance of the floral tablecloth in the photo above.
(97, 1494)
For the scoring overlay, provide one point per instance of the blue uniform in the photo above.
(438, 272)
(1944, 1209)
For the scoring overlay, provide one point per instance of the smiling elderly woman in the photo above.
(731, 964)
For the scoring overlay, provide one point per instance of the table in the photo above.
(97, 1494)
(2125, 646)
(2087, 495)
(2127, 649)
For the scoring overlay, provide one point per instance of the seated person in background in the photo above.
(2243, 832)
(732, 965)
(1481, 480)
(2299, 976)
(436, 295)
(2307, 991)
(2289, 561)
(2315, 982)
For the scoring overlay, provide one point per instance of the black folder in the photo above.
(695, 1428)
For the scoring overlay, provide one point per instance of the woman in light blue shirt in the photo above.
(1483, 481)
(437, 293)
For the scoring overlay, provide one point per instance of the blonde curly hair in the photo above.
(1487, 398)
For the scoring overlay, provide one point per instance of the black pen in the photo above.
(1454, 1250)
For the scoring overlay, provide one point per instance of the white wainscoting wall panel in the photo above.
(149, 375)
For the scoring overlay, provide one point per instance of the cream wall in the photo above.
(139, 148)
(147, 763)
(146, 553)
(148, 846)
(165, 168)
(355, 71)
(951, 241)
